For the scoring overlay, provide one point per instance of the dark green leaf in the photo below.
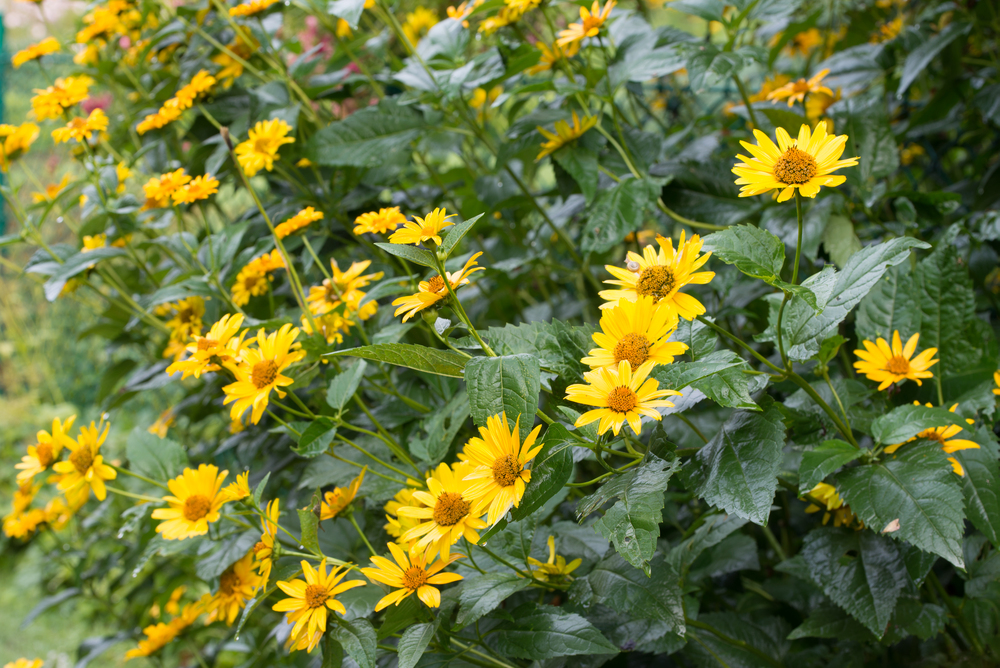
(414, 254)
(926, 51)
(682, 374)
(258, 493)
(309, 522)
(546, 632)
(358, 639)
(367, 138)
(316, 438)
(981, 485)
(729, 387)
(349, 10)
(947, 305)
(456, 233)
(754, 630)
(413, 644)
(154, 457)
(74, 265)
(617, 211)
(484, 593)
(550, 471)
(823, 460)
(333, 651)
(411, 356)
(508, 384)
(441, 427)
(627, 589)
(344, 385)
(558, 345)
(829, 621)
(581, 163)
(904, 422)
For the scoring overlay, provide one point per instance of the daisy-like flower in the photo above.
(832, 506)
(186, 317)
(200, 83)
(887, 31)
(258, 372)
(201, 187)
(620, 395)
(249, 283)
(331, 325)
(162, 423)
(945, 436)
(334, 502)
(556, 567)
(66, 92)
(343, 287)
(195, 500)
(84, 469)
(263, 551)
(16, 141)
(240, 489)
(424, 229)
(996, 380)
(35, 51)
(46, 450)
(304, 640)
(589, 26)
(93, 242)
(397, 525)
(81, 129)
(770, 84)
(552, 55)
(165, 116)
(157, 637)
(418, 23)
(25, 663)
(445, 512)
(309, 599)
(887, 365)
(160, 190)
(261, 149)
(221, 344)
(251, 8)
(411, 574)
(499, 459)
(51, 191)
(635, 331)
(817, 105)
(432, 291)
(804, 163)
(379, 222)
(564, 132)
(237, 585)
(267, 262)
(302, 219)
(796, 91)
(661, 275)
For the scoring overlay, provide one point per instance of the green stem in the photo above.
(140, 497)
(739, 342)
(841, 427)
(747, 104)
(798, 240)
(140, 477)
(368, 454)
(350, 517)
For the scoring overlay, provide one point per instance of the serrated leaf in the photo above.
(551, 469)
(158, 458)
(484, 593)
(509, 384)
(679, 375)
(413, 644)
(367, 138)
(414, 254)
(823, 460)
(904, 422)
(358, 639)
(316, 438)
(344, 385)
(455, 234)
(947, 308)
(981, 486)
(558, 345)
(626, 589)
(546, 632)
(309, 523)
(580, 162)
(729, 387)
(617, 211)
(411, 356)
(441, 426)
(889, 307)
(829, 621)
(762, 632)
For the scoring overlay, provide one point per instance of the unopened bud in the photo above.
(224, 131)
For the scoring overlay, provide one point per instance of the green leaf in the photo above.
(617, 211)
(344, 385)
(349, 10)
(507, 384)
(926, 51)
(823, 460)
(258, 493)
(947, 306)
(581, 163)
(113, 375)
(189, 287)
(157, 458)
(309, 522)
(316, 438)
(358, 638)
(558, 345)
(829, 621)
(710, 10)
(633, 522)
(782, 117)
(754, 630)
(839, 240)
(456, 233)
(904, 422)
(679, 375)
(411, 356)
(626, 589)
(915, 486)
(545, 632)
(981, 485)
(441, 427)
(864, 120)
(550, 471)
(889, 307)
(227, 551)
(413, 644)
(860, 571)
(414, 254)
(484, 593)
(74, 265)
(367, 138)
(738, 469)
(713, 531)
(729, 387)
(333, 651)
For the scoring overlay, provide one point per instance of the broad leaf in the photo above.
(889, 307)
(627, 589)
(504, 384)
(545, 632)
(349, 10)
(829, 621)
(823, 460)
(367, 138)
(344, 385)
(484, 593)
(682, 374)
(947, 306)
(904, 422)
(74, 265)
(413, 644)
(617, 211)
(755, 630)
(580, 162)
(412, 356)
(925, 53)
(358, 638)
(550, 471)
(316, 438)
(414, 254)
(157, 458)
(441, 426)
(981, 485)
(558, 345)
(455, 234)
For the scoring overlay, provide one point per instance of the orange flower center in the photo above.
(622, 399)
(898, 365)
(634, 348)
(414, 578)
(196, 506)
(657, 281)
(316, 596)
(264, 373)
(186, 315)
(795, 167)
(43, 453)
(259, 547)
(933, 435)
(229, 582)
(82, 458)
(506, 470)
(450, 509)
(207, 344)
(251, 281)
(436, 284)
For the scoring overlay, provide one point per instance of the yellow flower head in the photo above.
(424, 229)
(195, 500)
(309, 599)
(805, 163)
(331, 325)
(267, 262)
(619, 395)
(51, 191)
(249, 283)
(445, 512)
(123, 173)
(46, 450)
(887, 31)
(635, 331)
(221, 344)
(16, 141)
(163, 423)
(432, 291)
(334, 502)
(35, 51)
(796, 91)
(84, 469)
(397, 525)
(258, 372)
(261, 149)
(564, 133)
(770, 84)
(63, 94)
(159, 191)
(418, 23)
(82, 129)
(832, 505)
(343, 287)
(251, 8)
(163, 117)
(25, 663)
(300, 220)
(263, 551)
(482, 100)
(157, 637)
(552, 55)
(556, 567)
(803, 42)
(589, 26)
(237, 585)
(379, 222)
(887, 365)
(200, 83)
(92, 242)
(945, 436)
(201, 187)
(411, 574)
(240, 489)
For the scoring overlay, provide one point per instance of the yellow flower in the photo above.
(635, 331)
(251, 8)
(556, 567)
(331, 325)
(46, 450)
(483, 100)
(498, 459)
(158, 636)
(418, 23)
(195, 501)
(25, 663)
(309, 599)
(411, 574)
(796, 91)
(343, 29)
(66, 92)
(908, 154)
(51, 191)
(164, 116)
(445, 512)
(564, 132)
(249, 283)
(186, 320)
(589, 26)
(162, 424)
(22, 524)
(817, 104)
(552, 55)
(887, 31)
(297, 222)
(996, 380)
(94, 242)
(237, 585)
(201, 187)
(661, 275)
(397, 525)
(334, 502)
(16, 141)
(84, 469)
(160, 190)
(200, 83)
(35, 51)
(510, 13)
(258, 371)
(432, 291)
(620, 395)
(379, 222)
(267, 262)
(263, 551)
(770, 84)
(424, 229)
(221, 344)
(887, 365)
(946, 437)
(243, 46)
(304, 640)
(58, 513)
(123, 173)
(832, 503)
(261, 149)
(80, 128)
(240, 489)
(805, 163)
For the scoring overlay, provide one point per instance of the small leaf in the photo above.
(904, 422)
(413, 644)
(484, 593)
(258, 493)
(316, 438)
(333, 651)
(507, 384)
(358, 639)
(414, 254)
(411, 356)
(455, 234)
(550, 471)
(350, 11)
(823, 460)
(309, 522)
(344, 385)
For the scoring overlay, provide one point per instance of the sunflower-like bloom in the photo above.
(221, 344)
(165, 116)
(796, 91)
(411, 574)
(832, 506)
(35, 51)
(46, 450)
(16, 141)
(343, 288)
(302, 219)
(445, 512)
(424, 229)
(200, 84)
(249, 283)
(160, 190)
(260, 150)
(379, 222)
(817, 105)
(635, 331)
(160, 635)
(418, 23)
(240, 489)
(805, 163)
(556, 567)
(51, 191)
(251, 8)
(201, 187)
(499, 459)
(996, 381)
(258, 372)
(162, 423)
(334, 502)
(432, 291)
(237, 585)
(263, 551)
(66, 92)
(309, 599)
(887, 31)
(82, 129)
(93, 242)
(887, 365)
(25, 663)
(564, 132)
(771, 84)
(186, 317)
(195, 500)
(589, 26)
(945, 436)
(620, 395)
(84, 468)
(552, 55)
(661, 275)
(397, 525)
